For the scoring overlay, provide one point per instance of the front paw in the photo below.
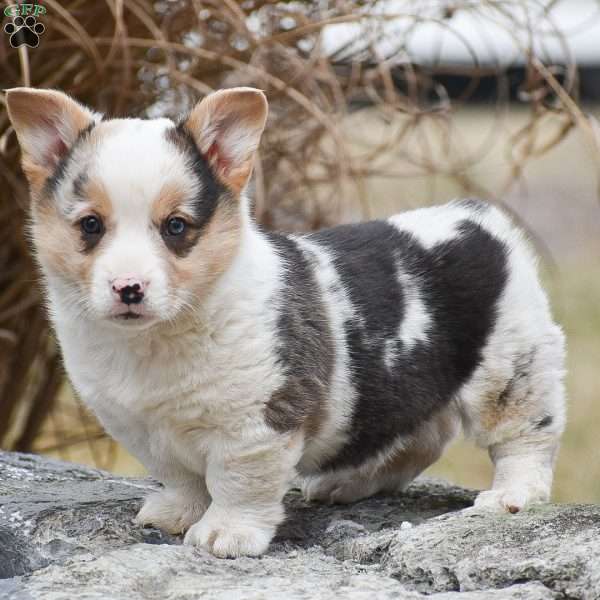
(171, 511)
(512, 500)
(229, 536)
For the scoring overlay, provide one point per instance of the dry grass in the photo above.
(143, 57)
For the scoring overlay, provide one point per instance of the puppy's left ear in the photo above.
(226, 127)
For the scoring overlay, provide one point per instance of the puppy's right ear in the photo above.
(47, 123)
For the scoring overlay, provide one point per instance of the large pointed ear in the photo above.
(226, 127)
(47, 123)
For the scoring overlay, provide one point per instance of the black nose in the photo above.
(132, 294)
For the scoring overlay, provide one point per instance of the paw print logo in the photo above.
(24, 32)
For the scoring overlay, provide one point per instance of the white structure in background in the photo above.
(569, 30)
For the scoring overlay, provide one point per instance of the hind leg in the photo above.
(351, 485)
(521, 428)
(390, 473)
(523, 471)
(339, 487)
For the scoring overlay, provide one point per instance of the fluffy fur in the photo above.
(344, 359)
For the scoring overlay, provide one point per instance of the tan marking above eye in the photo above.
(169, 202)
(97, 196)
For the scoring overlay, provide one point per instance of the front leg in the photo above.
(247, 483)
(184, 498)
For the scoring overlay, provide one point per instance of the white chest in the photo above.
(169, 397)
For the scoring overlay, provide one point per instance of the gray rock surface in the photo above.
(66, 532)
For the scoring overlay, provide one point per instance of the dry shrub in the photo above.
(147, 58)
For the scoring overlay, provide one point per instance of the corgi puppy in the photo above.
(235, 362)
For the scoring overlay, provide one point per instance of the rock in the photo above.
(67, 532)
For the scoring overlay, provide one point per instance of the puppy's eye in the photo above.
(92, 230)
(176, 226)
(91, 225)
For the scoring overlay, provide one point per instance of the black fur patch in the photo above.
(211, 190)
(522, 371)
(544, 422)
(460, 282)
(78, 184)
(60, 170)
(306, 350)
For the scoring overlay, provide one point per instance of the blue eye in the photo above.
(176, 226)
(91, 225)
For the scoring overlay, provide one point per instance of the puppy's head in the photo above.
(135, 220)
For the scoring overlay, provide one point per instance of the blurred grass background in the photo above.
(356, 131)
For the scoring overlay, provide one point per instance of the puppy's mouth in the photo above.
(131, 320)
(128, 315)
(131, 317)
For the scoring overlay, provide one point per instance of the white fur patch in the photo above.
(433, 225)
(415, 321)
(139, 147)
(336, 426)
